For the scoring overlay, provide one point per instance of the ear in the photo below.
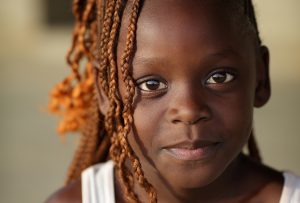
(263, 88)
(103, 102)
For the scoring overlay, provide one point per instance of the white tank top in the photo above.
(97, 184)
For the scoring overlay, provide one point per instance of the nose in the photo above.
(188, 106)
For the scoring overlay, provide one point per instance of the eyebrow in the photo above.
(225, 52)
(142, 60)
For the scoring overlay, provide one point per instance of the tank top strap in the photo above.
(97, 183)
(291, 188)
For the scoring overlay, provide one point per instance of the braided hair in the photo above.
(93, 51)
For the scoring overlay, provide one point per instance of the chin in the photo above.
(194, 174)
(190, 175)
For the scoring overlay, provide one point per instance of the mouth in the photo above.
(193, 151)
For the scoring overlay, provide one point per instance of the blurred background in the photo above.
(35, 35)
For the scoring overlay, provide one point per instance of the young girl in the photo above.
(165, 104)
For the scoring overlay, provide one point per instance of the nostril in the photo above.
(188, 113)
(176, 121)
(192, 122)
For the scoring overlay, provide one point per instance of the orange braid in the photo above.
(127, 111)
(72, 97)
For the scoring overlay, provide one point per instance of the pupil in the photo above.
(219, 77)
(152, 84)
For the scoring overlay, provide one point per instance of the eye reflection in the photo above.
(220, 77)
(151, 85)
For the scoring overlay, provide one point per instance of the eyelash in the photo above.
(163, 86)
(146, 91)
(229, 77)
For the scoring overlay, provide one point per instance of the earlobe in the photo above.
(103, 102)
(263, 88)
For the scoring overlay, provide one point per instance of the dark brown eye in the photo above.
(220, 77)
(152, 85)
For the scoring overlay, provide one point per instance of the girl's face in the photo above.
(196, 76)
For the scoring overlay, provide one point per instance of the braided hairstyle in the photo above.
(93, 52)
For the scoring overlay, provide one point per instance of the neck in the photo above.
(168, 193)
(232, 177)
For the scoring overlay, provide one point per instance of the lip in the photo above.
(193, 151)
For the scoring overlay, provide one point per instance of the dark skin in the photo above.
(197, 83)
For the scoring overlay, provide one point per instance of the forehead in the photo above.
(181, 14)
(185, 26)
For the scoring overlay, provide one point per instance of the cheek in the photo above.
(147, 119)
(235, 114)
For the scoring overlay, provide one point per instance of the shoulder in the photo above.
(73, 191)
(288, 191)
(266, 182)
(68, 193)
